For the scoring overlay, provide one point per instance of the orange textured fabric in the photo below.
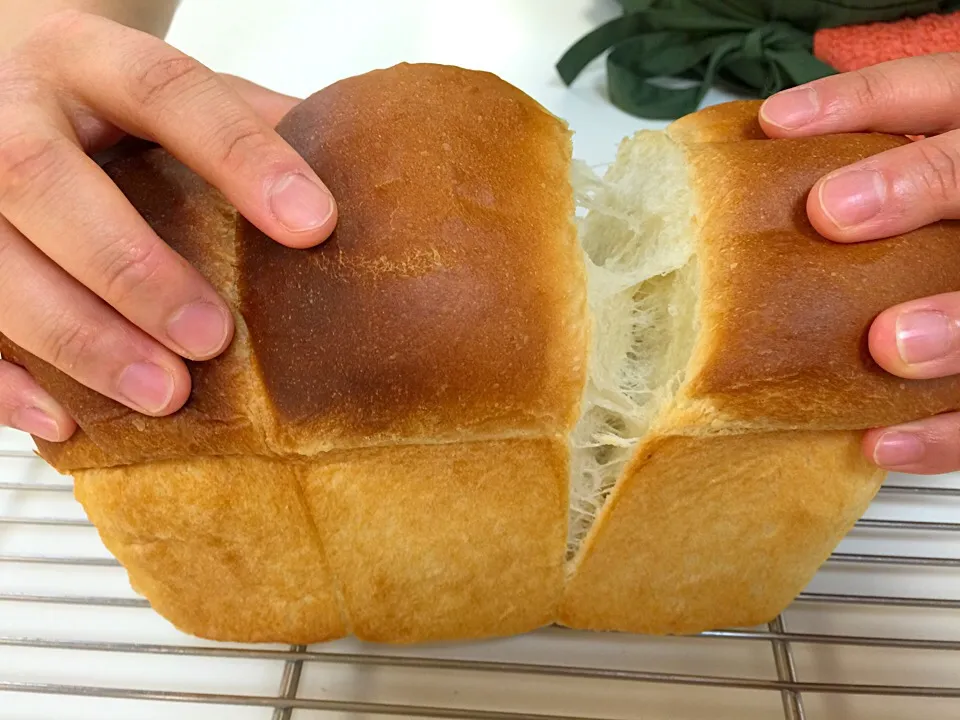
(853, 47)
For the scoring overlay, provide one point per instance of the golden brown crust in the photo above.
(224, 548)
(715, 532)
(222, 415)
(449, 306)
(444, 542)
(399, 544)
(727, 122)
(449, 302)
(420, 372)
(785, 313)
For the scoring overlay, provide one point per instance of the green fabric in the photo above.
(753, 47)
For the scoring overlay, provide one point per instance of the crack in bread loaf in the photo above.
(638, 241)
(469, 415)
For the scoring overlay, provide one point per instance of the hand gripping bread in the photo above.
(469, 414)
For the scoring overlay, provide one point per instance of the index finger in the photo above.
(150, 89)
(913, 96)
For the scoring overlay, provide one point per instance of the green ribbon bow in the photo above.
(752, 47)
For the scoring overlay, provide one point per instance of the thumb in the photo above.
(270, 105)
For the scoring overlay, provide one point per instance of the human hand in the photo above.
(885, 195)
(85, 283)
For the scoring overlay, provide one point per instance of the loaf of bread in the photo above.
(472, 413)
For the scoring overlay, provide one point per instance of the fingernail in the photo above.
(36, 422)
(853, 196)
(791, 109)
(924, 335)
(201, 329)
(897, 449)
(146, 385)
(300, 204)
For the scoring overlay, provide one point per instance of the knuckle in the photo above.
(238, 140)
(14, 77)
(57, 25)
(51, 31)
(946, 67)
(939, 171)
(10, 390)
(6, 256)
(8, 71)
(13, 378)
(165, 75)
(125, 268)
(25, 159)
(20, 87)
(872, 88)
(69, 346)
(944, 78)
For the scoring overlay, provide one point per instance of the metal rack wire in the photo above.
(801, 661)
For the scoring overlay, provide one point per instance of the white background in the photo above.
(300, 46)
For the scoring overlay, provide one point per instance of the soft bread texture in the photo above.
(719, 531)
(405, 391)
(468, 415)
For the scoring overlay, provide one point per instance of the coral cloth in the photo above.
(853, 47)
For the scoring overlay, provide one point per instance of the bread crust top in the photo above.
(785, 313)
(448, 306)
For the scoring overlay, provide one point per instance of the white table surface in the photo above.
(299, 46)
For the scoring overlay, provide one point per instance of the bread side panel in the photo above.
(444, 543)
(705, 533)
(222, 548)
(785, 313)
(225, 412)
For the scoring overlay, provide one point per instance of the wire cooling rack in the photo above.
(876, 635)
